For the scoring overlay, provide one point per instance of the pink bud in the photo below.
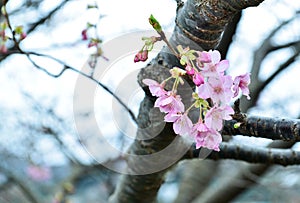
(91, 44)
(23, 35)
(144, 55)
(189, 69)
(3, 49)
(198, 79)
(84, 34)
(137, 57)
(141, 56)
(2, 34)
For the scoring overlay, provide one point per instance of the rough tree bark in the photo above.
(199, 25)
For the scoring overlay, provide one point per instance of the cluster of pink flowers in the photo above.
(214, 92)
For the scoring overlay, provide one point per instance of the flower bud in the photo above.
(84, 34)
(144, 55)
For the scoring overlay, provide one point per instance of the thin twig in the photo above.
(65, 66)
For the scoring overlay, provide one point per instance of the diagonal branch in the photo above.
(42, 20)
(282, 67)
(67, 67)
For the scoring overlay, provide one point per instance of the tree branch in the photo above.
(263, 127)
(228, 35)
(282, 67)
(255, 154)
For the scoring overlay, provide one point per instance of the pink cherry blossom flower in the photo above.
(155, 88)
(215, 116)
(172, 116)
(242, 82)
(218, 89)
(38, 173)
(169, 103)
(183, 125)
(198, 79)
(203, 57)
(222, 66)
(210, 139)
(210, 56)
(214, 70)
(206, 137)
(215, 56)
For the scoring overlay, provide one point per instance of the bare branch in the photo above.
(42, 20)
(260, 54)
(264, 127)
(255, 154)
(281, 68)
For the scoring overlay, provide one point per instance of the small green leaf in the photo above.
(19, 30)
(155, 24)
(237, 125)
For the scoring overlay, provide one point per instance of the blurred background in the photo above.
(43, 159)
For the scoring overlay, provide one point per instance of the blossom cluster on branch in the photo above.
(213, 93)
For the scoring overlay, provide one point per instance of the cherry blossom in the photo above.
(206, 137)
(218, 89)
(203, 57)
(172, 116)
(155, 88)
(210, 139)
(242, 82)
(215, 116)
(169, 103)
(183, 125)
